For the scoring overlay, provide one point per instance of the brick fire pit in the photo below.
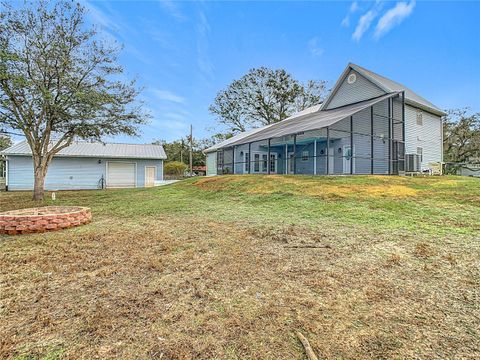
(41, 219)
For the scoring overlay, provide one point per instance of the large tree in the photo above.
(461, 137)
(59, 81)
(264, 96)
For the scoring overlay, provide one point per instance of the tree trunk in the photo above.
(38, 187)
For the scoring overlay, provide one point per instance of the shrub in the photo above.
(176, 168)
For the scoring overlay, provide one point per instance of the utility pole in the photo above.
(191, 150)
(181, 151)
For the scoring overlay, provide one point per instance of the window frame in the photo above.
(419, 118)
(420, 153)
(304, 158)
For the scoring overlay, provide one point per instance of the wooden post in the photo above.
(191, 151)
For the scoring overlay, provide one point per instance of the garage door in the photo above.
(120, 175)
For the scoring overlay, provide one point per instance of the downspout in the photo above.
(315, 157)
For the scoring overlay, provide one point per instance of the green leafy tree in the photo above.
(59, 82)
(264, 96)
(5, 142)
(461, 137)
(179, 150)
(175, 168)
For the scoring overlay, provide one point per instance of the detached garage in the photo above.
(85, 165)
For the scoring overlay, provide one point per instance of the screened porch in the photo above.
(370, 139)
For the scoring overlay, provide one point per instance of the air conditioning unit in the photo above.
(412, 163)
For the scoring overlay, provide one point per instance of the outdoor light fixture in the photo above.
(241, 153)
(99, 161)
(339, 150)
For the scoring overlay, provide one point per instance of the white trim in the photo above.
(154, 175)
(290, 163)
(6, 173)
(125, 162)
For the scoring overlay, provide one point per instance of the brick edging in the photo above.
(13, 224)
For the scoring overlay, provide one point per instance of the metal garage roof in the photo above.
(297, 124)
(95, 149)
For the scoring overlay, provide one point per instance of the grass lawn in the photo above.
(231, 267)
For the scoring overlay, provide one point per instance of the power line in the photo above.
(11, 133)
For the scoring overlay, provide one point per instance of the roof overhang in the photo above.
(314, 121)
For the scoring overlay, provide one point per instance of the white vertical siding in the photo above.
(212, 163)
(72, 173)
(361, 89)
(427, 136)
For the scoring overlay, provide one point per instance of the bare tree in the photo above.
(59, 82)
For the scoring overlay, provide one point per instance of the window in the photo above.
(305, 155)
(264, 163)
(256, 165)
(420, 152)
(272, 163)
(419, 118)
(247, 162)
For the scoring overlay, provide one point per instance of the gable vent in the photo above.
(351, 78)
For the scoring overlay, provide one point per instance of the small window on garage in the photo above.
(420, 152)
(419, 118)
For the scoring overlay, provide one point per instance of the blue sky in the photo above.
(183, 53)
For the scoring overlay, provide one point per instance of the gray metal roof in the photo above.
(392, 86)
(98, 150)
(310, 121)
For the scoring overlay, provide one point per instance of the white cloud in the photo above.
(172, 9)
(166, 95)
(314, 47)
(203, 58)
(393, 17)
(364, 24)
(346, 20)
(354, 7)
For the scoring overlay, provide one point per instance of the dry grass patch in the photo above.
(224, 290)
(308, 187)
(184, 272)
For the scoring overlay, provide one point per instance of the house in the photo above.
(367, 125)
(199, 170)
(87, 165)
